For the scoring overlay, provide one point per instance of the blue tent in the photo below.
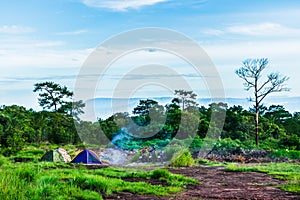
(87, 157)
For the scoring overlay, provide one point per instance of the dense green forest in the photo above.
(278, 129)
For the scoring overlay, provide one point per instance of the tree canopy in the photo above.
(53, 96)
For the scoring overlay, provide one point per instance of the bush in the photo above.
(182, 158)
(160, 173)
(170, 151)
(3, 160)
(291, 142)
(269, 144)
(227, 143)
(291, 154)
(196, 144)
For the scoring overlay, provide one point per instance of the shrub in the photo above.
(227, 143)
(182, 158)
(291, 154)
(160, 173)
(269, 144)
(171, 150)
(291, 142)
(196, 144)
(3, 160)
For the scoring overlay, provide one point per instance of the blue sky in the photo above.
(50, 40)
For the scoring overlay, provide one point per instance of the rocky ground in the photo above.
(241, 155)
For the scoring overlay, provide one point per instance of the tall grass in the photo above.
(11, 187)
(49, 181)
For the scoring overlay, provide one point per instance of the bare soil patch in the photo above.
(216, 183)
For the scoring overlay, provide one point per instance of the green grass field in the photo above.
(46, 180)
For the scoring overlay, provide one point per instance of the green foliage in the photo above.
(269, 144)
(291, 142)
(3, 160)
(145, 107)
(186, 98)
(160, 173)
(291, 154)
(182, 158)
(19, 126)
(53, 95)
(227, 143)
(171, 150)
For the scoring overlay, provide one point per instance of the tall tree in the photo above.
(145, 107)
(59, 98)
(74, 108)
(251, 73)
(53, 95)
(186, 98)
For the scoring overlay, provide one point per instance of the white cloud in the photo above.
(32, 53)
(15, 29)
(121, 5)
(76, 32)
(259, 29)
(49, 43)
(214, 32)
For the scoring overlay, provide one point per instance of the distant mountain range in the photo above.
(105, 107)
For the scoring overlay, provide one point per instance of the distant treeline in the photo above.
(19, 126)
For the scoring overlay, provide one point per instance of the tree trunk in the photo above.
(256, 128)
(256, 110)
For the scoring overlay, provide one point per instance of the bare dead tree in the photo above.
(251, 73)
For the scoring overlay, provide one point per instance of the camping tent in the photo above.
(57, 155)
(87, 157)
(64, 154)
(52, 156)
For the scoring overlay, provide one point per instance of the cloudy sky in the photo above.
(50, 40)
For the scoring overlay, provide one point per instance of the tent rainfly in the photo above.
(64, 154)
(52, 156)
(87, 157)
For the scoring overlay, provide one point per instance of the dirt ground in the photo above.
(219, 184)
